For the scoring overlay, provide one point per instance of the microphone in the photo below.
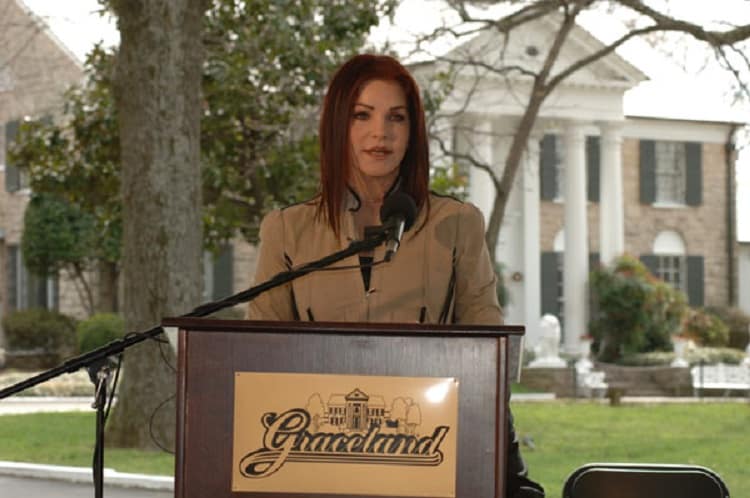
(397, 214)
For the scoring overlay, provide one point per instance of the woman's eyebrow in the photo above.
(373, 107)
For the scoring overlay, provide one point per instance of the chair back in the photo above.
(622, 480)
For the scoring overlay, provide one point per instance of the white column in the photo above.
(611, 215)
(478, 143)
(531, 243)
(575, 260)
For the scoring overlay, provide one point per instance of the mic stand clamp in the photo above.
(99, 373)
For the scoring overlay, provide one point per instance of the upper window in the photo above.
(671, 173)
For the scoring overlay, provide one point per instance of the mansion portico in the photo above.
(594, 182)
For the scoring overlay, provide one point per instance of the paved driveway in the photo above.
(25, 487)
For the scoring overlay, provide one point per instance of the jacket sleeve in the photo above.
(476, 293)
(277, 303)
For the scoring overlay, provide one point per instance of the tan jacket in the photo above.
(440, 274)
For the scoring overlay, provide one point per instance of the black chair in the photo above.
(625, 480)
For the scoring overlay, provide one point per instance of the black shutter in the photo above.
(594, 264)
(11, 277)
(693, 173)
(548, 168)
(651, 261)
(648, 171)
(593, 261)
(593, 164)
(12, 174)
(223, 273)
(55, 301)
(695, 283)
(550, 283)
(37, 292)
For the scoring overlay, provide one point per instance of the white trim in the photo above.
(669, 205)
(669, 243)
(676, 130)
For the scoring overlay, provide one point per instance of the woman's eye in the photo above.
(397, 117)
(361, 115)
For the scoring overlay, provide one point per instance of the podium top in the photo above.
(342, 328)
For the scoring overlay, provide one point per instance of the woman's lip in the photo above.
(378, 151)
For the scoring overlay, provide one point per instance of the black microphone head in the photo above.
(401, 205)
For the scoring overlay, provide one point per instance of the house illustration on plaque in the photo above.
(356, 411)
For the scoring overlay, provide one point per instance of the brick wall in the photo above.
(703, 228)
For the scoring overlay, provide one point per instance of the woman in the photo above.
(373, 142)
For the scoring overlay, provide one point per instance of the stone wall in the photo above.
(632, 381)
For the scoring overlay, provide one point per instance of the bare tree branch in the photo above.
(668, 23)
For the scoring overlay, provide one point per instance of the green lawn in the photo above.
(565, 435)
(569, 434)
(68, 439)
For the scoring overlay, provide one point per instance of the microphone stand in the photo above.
(98, 362)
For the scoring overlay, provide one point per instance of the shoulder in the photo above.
(443, 206)
(294, 217)
(290, 214)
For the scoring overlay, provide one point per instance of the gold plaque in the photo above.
(345, 434)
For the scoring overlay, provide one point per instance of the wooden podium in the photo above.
(211, 353)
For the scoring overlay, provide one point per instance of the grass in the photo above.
(68, 439)
(565, 435)
(569, 434)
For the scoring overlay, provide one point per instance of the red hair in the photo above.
(335, 158)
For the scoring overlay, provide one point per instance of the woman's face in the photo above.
(379, 130)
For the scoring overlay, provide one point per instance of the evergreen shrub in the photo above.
(632, 311)
(738, 323)
(706, 329)
(99, 330)
(51, 332)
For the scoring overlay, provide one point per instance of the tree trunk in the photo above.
(157, 91)
(106, 300)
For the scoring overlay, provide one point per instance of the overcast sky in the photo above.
(78, 25)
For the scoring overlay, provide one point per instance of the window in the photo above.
(26, 290)
(670, 262)
(552, 276)
(671, 269)
(218, 274)
(552, 169)
(671, 172)
(15, 178)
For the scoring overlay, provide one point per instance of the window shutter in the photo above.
(651, 261)
(694, 173)
(547, 169)
(549, 283)
(55, 298)
(11, 280)
(12, 174)
(594, 261)
(594, 264)
(38, 292)
(648, 171)
(592, 166)
(695, 284)
(223, 273)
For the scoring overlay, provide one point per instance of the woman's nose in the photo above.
(380, 128)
